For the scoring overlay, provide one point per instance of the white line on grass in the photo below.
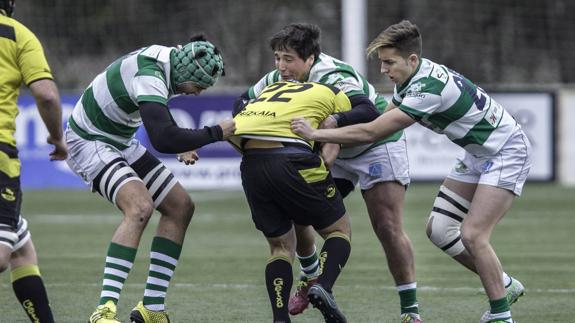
(342, 286)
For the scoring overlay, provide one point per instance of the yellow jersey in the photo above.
(269, 116)
(22, 60)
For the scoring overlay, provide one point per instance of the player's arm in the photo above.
(362, 110)
(166, 137)
(47, 99)
(390, 106)
(385, 125)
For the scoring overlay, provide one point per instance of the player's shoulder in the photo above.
(430, 78)
(13, 29)
(157, 53)
(333, 89)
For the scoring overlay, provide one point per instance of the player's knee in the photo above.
(4, 258)
(187, 208)
(140, 211)
(443, 226)
(387, 224)
(473, 239)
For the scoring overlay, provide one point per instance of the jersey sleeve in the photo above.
(270, 78)
(345, 82)
(31, 58)
(149, 84)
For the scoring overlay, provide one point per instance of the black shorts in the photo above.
(289, 185)
(10, 192)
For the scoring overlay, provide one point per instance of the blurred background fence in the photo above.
(497, 43)
(519, 50)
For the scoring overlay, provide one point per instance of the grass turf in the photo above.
(220, 274)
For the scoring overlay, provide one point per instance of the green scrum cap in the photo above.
(199, 62)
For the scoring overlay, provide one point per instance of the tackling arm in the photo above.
(165, 135)
(385, 125)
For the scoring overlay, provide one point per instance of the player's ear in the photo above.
(310, 60)
(413, 59)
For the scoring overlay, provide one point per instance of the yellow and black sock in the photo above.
(31, 293)
(278, 282)
(333, 257)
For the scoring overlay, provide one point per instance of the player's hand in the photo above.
(301, 127)
(188, 158)
(228, 128)
(60, 151)
(328, 123)
(329, 154)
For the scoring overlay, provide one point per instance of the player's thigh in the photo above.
(159, 181)
(384, 203)
(25, 255)
(488, 206)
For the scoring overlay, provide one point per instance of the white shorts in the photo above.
(88, 158)
(508, 169)
(107, 168)
(383, 163)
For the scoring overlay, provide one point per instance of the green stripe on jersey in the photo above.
(454, 112)
(100, 120)
(477, 135)
(118, 90)
(83, 134)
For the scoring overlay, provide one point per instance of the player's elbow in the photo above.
(160, 140)
(45, 93)
(162, 146)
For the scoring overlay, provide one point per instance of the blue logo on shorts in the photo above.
(487, 166)
(375, 169)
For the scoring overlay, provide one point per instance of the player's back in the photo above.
(109, 106)
(22, 60)
(269, 116)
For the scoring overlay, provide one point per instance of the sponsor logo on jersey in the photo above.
(265, 114)
(8, 194)
(278, 287)
(414, 91)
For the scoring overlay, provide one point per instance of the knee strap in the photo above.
(449, 211)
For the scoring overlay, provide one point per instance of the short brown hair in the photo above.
(403, 36)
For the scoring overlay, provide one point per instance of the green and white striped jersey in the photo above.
(448, 103)
(331, 71)
(108, 109)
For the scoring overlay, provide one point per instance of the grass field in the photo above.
(220, 276)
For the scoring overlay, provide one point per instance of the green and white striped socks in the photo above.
(164, 257)
(119, 261)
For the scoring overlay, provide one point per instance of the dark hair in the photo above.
(301, 37)
(7, 6)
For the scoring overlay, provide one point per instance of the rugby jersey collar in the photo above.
(406, 83)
